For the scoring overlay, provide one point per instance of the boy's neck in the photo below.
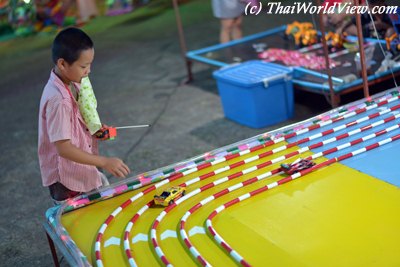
(62, 77)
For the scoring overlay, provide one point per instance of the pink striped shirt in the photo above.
(60, 119)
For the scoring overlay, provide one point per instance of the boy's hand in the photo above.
(116, 167)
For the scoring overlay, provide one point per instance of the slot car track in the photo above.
(231, 216)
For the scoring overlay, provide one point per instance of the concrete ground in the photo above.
(136, 76)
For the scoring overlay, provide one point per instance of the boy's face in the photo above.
(81, 68)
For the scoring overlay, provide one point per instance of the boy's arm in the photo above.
(115, 166)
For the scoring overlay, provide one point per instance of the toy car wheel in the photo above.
(170, 202)
(183, 192)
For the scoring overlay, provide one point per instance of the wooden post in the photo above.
(334, 99)
(362, 53)
(53, 250)
(182, 42)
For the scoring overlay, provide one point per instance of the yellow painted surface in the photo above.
(332, 217)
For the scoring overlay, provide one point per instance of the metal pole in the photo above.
(334, 100)
(182, 42)
(133, 126)
(362, 53)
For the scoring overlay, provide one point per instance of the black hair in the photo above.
(69, 43)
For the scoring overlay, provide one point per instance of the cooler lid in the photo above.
(252, 73)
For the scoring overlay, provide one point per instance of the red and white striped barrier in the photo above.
(234, 254)
(252, 180)
(225, 158)
(240, 173)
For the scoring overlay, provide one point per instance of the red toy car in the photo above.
(298, 165)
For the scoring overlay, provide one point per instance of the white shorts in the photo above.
(227, 9)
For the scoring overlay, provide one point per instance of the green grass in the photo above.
(165, 23)
(159, 11)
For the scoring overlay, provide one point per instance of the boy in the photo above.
(68, 153)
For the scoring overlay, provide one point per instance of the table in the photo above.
(234, 52)
(240, 208)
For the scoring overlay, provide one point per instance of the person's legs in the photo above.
(226, 29)
(59, 192)
(237, 28)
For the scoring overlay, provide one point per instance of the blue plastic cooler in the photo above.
(256, 93)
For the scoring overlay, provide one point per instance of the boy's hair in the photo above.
(69, 44)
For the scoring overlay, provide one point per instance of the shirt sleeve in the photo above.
(59, 118)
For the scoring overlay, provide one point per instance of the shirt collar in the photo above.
(62, 88)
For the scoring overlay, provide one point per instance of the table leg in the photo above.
(53, 250)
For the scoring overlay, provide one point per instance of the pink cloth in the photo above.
(295, 58)
(60, 119)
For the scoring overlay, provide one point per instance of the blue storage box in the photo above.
(256, 93)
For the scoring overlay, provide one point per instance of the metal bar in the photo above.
(239, 41)
(318, 74)
(133, 126)
(369, 40)
(182, 41)
(208, 61)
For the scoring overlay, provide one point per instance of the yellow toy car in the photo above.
(169, 196)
